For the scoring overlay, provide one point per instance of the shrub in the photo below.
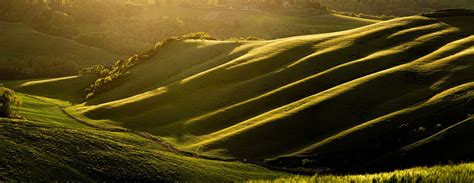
(7, 100)
(367, 16)
(251, 38)
(111, 77)
(198, 35)
(99, 70)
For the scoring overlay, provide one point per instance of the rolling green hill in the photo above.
(262, 24)
(51, 146)
(65, 150)
(130, 35)
(371, 98)
(68, 89)
(20, 41)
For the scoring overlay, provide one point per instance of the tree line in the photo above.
(38, 67)
(384, 9)
(41, 18)
(110, 77)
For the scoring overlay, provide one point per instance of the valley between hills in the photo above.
(391, 95)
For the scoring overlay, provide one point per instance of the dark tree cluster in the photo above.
(385, 9)
(113, 76)
(38, 67)
(198, 35)
(42, 18)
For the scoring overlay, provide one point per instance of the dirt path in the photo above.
(144, 135)
(172, 149)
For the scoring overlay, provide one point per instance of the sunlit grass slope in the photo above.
(49, 146)
(20, 41)
(37, 109)
(451, 173)
(263, 24)
(345, 97)
(69, 89)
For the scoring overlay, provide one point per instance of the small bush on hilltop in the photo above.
(251, 38)
(367, 16)
(198, 35)
(99, 70)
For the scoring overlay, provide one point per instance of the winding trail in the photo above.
(172, 149)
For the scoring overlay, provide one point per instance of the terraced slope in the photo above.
(343, 99)
(20, 41)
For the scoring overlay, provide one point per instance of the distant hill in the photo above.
(457, 3)
(385, 94)
(26, 53)
(395, 8)
(18, 40)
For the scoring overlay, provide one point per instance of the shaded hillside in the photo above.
(69, 89)
(22, 42)
(134, 34)
(397, 8)
(337, 100)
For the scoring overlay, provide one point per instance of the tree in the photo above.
(7, 100)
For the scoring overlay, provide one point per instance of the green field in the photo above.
(390, 95)
(136, 34)
(68, 89)
(65, 150)
(20, 41)
(49, 145)
(451, 173)
(267, 25)
(378, 78)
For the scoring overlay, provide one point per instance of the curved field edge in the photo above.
(70, 89)
(55, 148)
(418, 135)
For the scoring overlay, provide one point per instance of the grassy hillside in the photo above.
(451, 173)
(105, 156)
(375, 97)
(134, 35)
(68, 89)
(22, 42)
(268, 25)
(383, 9)
(457, 3)
(50, 146)
(317, 99)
